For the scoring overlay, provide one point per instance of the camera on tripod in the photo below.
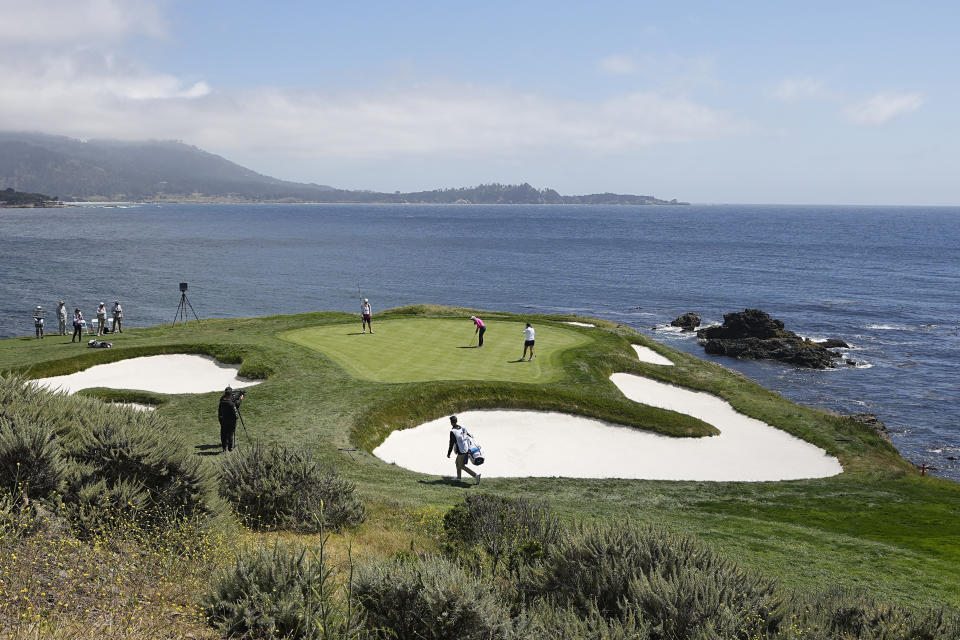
(181, 313)
(236, 393)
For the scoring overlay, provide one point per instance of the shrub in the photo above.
(279, 591)
(679, 586)
(515, 531)
(846, 614)
(31, 460)
(119, 465)
(279, 487)
(567, 624)
(429, 599)
(138, 472)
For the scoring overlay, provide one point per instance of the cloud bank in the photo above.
(90, 93)
(883, 107)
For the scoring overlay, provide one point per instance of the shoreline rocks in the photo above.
(871, 420)
(754, 335)
(687, 322)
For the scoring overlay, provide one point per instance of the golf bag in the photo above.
(465, 442)
(99, 344)
(476, 454)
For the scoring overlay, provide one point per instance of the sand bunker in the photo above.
(174, 373)
(648, 355)
(542, 444)
(579, 324)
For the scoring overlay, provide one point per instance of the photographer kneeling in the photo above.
(227, 413)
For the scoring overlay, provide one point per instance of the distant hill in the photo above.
(166, 170)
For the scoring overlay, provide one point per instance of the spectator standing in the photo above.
(117, 317)
(62, 318)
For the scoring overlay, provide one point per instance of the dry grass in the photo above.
(120, 584)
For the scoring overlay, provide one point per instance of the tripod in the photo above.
(181, 313)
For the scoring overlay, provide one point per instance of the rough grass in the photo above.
(877, 526)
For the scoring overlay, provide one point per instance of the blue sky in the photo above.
(811, 102)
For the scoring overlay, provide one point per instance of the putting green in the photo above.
(424, 349)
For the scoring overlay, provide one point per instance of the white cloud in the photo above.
(618, 65)
(90, 94)
(59, 22)
(797, 89)
(883, 107)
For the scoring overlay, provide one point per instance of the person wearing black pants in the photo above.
(480, 330)
(227, 414)
(77, 326)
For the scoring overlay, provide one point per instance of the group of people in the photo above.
(479, 328)
(528, 336)
(78, 320)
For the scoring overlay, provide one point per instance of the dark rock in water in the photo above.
(871, 420)
(749, 323)
(833, 343)
(755, 335)
(687, 322)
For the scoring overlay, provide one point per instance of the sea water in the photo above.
(884, 279)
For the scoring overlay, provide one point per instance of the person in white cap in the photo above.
(365, 312)
(479, 330)
(117, 317)
(101, 319)
(62, 317)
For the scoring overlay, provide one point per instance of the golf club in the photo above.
(362, 324)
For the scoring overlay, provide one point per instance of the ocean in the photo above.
(884, 279)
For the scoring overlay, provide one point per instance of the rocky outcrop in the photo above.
(832, 343)
(687, 322)
(872, 421)
(753, 334)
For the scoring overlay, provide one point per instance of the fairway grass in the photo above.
(427, 349)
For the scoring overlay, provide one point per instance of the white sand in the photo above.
(139, 406)
(542, 444)
(579, 324)
(174, 373)
(648, 355)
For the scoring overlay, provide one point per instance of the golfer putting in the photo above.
(479, 330)
(461, 440)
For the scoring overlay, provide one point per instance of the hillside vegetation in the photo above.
(128, 527)
(173, 171)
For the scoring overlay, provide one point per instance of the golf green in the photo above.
(424, 349)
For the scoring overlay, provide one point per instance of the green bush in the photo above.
(490, 528)
(139, 472)
(566, 624)
(115, 464)
(678, 586)
(429, 599)
(853, 615)
(31, 459)
(279, 592)
(279, 487)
